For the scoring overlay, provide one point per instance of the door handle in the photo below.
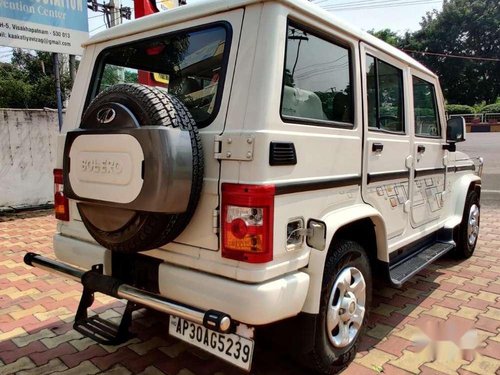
(420, 149)
(377, 147)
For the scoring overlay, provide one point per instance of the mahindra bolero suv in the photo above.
(236, 164)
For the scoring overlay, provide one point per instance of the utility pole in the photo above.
(115, 20)
(114, 12)
(72, 68)
(55, 57)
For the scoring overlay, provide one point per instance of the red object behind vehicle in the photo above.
(247, 222)
(61, 203)
(143, 8)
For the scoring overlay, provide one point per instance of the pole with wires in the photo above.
(114, 13)
(55, 57)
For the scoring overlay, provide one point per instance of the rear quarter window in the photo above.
(317, 84)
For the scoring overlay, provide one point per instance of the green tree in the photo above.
(14, 90)
(388, 36)
(466, 28)
(463, 27)
(29, 81)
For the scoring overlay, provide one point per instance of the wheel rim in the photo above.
(473, 224)
(346, 307)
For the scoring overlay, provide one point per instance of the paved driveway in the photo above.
(37, 309)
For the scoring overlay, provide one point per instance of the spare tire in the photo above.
(121, 229)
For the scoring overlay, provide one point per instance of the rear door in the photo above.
(429, 175)
(201, 231)
(194, 61)
(387, 140)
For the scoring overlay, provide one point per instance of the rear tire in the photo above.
(134, 231)
(469, 227)
(345, 300)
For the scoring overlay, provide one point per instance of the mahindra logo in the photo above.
(106, 115)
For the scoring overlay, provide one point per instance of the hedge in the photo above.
(459, 109)
(491, 108)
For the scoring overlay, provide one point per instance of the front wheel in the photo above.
(345, 299)
(469, 227)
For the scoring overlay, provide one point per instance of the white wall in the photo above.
(27, 156)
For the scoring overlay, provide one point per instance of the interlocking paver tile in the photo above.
(49, 368)
(144, 347)
(86, 367)
(439, 311)
(483, 365)
(462, 295)
(10, 334)
(411, 361)
(37, 311)
(384, 309)
(448, 358)
(380, 331)
(21, 364)
(493, 313)
(467, 312)
(29, 338)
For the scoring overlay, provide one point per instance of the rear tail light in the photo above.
(61, 204)
(247, 222)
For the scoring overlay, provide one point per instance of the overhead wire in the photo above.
(377, 4)
(466, 57)
(97, 28)
(366, 3)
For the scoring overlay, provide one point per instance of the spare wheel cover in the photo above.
(130, 106)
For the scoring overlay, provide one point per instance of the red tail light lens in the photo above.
(61, 203)
(247, 222)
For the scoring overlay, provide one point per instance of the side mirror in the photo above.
(455, 130)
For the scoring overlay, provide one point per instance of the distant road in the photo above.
(486, 145)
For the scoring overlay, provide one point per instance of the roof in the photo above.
(209, 7)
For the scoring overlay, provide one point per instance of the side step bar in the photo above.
(95, 281)
(408, 267)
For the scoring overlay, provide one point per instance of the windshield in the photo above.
(188, 64)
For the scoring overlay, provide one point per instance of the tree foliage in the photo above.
(29, 81)
(388, 36)
(463, 27)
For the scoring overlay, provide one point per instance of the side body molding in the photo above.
(334, 221)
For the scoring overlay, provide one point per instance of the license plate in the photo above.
(235, 349)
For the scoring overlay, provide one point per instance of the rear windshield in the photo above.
(188, 64)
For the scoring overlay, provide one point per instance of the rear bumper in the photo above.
(253, 304)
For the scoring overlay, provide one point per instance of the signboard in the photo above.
(46, 25)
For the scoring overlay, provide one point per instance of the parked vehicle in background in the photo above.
(279, 161)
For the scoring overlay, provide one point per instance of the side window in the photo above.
(317, 79)
(424, 102)
(384, 95)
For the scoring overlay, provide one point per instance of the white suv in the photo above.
(234, 164)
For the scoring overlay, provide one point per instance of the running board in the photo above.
(408, 267)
